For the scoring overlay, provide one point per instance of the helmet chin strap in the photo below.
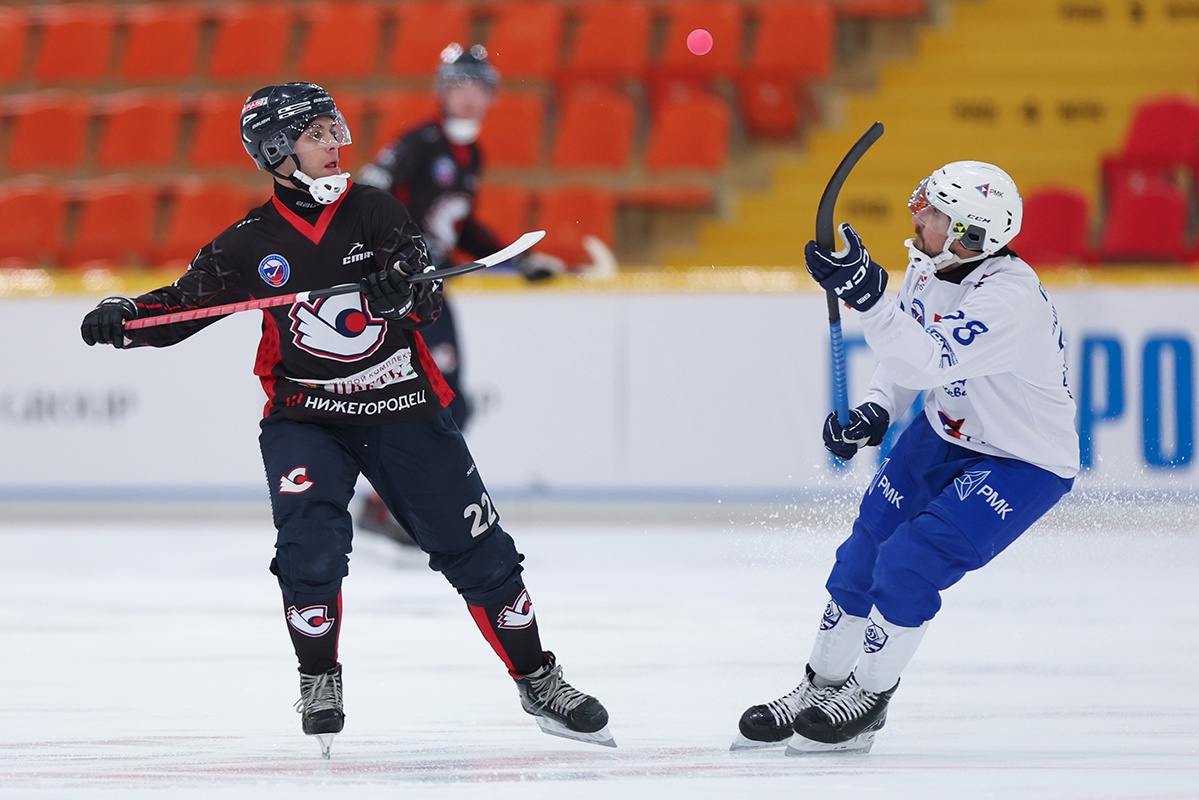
(924, 264)
(323, 190)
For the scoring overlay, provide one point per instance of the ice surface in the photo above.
(151, 660)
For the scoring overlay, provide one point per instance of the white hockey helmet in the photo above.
(984, 207)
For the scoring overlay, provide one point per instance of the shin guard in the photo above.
(314, 630)
(511, 630)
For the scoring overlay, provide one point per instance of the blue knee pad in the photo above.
(486, 573)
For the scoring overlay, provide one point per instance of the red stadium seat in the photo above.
(723, 19)
(596, 126)
(199, 210)
(569, 213)
(139, 129)
(1057, 228)
(162, 42)
(794, 39)
(770, 106)
(513, 130)
(611, 43)
(48, 131)
(689, 131)
(342, 40)
(1145, 223)
(14, 38)
(34, 212)
(251, 41)
(424, 29)
(76, 42)
(1162, 140)
(115, 226)
(525, 39)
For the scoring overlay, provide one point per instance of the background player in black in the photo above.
(434, 171)
(352, 390)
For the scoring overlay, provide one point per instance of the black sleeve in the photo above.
(402, 245)
(392, 168)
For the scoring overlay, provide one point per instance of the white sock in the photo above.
(838, 645)
(886, 650)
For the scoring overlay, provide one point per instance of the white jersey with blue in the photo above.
(983, 341)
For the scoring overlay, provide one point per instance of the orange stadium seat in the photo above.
(525, 39)
(794, 39)
(504, 209)
(198, 210)
(48, 130)
(569, 213)
(1056, 229)
(596, 126)
(33, 211)
(611, 41)
(115, 225)
(770, 106)
(14, 38)
(162, 42)
(723, 19)
(214, 140)
(251, 41)
(689, 131)
(1145, 223)
(76, 42)
(424, 30)
(512, 133)
(342, 40)
(139, 129)
(397, 112)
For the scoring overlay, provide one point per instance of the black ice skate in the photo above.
(561, 709)
(844, 722)
(320, 707)
(770, 724)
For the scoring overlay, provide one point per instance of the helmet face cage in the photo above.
(460, 67)
(983, 205)
(274, 118)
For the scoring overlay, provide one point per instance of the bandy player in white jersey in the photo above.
(974, 330)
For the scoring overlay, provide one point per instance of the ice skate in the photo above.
(561, 709)
(320, 707)
(844, 722)
(770, 724)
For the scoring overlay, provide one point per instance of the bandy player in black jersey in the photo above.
(351, 390)
(434, 171)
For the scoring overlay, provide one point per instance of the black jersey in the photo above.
(436, 180)
(327, 360)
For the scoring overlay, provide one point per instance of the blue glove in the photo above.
(388, 292)
(105, 324)
(848, 273)
(868, 424)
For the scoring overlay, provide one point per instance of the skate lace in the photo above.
(787, 708)
(850, 702)
(319, 693)
(555, 693)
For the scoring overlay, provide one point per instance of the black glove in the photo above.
(388, 292)
(868, 424)
(105, 324)
(849, 274)
(538, 266)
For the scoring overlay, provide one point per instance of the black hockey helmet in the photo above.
(460, 66)
(274, 117)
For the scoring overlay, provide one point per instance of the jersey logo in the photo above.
(967, 482)
(274, 269)
(339, 327)
(517, 615)
(357, 254)
(295, 482)
(444, 171)
(875, 638)
(313, 621)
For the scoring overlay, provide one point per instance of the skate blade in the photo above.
(600, 737)
(325, 740)
(741, 744)
(860, 744)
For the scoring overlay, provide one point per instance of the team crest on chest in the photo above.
(339, 327)
(444, 170)
(275, 270)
